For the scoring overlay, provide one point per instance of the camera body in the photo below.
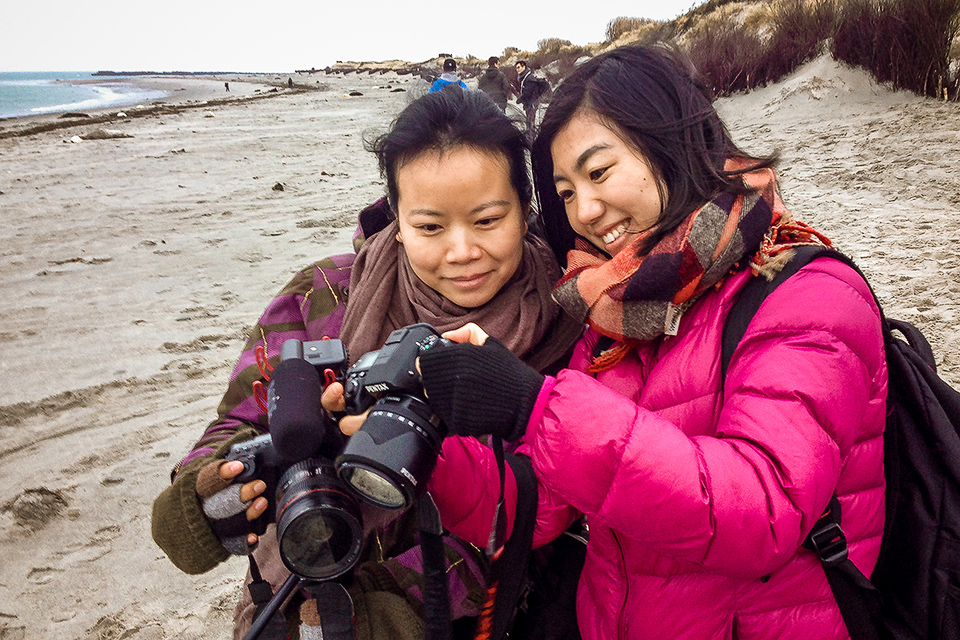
(260, 460)
(313, 472)
(319, 526)
(390, 369)
(390, 458)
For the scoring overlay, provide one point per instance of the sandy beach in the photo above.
(131, 268)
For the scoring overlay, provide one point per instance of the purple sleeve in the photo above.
(309, 307)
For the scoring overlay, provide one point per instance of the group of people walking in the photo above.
(585, 310)
(528, 87)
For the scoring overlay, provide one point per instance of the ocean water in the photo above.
(26, 93)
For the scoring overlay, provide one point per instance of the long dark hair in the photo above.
(652, 95)
(445, 120)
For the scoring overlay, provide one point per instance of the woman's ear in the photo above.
(399, 238)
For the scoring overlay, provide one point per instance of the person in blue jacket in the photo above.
(448, 78)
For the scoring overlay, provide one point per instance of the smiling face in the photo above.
(609, 189)
(461, 223)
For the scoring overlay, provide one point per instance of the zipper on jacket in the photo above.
(621, 632)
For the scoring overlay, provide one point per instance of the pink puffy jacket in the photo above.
(699, 494)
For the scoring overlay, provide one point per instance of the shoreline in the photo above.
(182, 92)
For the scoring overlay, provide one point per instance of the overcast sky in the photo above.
(285, 35)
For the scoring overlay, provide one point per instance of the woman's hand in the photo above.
(249, 492)
(332, 400)
(469, 332)
(477, 386)
(223, 500)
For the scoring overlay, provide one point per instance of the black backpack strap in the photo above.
(916, 340)
(857, 598)
(756, 291)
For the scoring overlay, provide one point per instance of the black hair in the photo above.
(492, 61)
(449, 64)
(651, 96)
(523, 62)
(445, 120)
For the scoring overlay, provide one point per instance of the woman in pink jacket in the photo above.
(699, 491)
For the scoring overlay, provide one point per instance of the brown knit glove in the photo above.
(178, 524)
(225, 510)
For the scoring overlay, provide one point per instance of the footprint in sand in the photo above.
(11, 633)
(99, 545)
(43, 575)
(34, 508)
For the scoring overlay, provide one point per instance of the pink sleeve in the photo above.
(466, 487)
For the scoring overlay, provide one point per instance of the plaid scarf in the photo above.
(633, 298)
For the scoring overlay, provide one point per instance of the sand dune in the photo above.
(130, 269)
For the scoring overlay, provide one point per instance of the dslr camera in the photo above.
(319, 526)
(389, 460)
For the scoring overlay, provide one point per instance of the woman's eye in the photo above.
(596, 174)
(487, 222)
(428, 228)
(565, 194)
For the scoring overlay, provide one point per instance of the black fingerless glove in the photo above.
(480, 390)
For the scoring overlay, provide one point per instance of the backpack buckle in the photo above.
(829, 543)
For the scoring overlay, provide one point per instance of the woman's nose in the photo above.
(589, 207)
(462, 247)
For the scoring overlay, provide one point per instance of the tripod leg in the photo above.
(282, 594)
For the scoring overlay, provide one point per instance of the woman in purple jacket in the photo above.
(698, 490)
(449, 245)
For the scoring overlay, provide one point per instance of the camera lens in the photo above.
(373, 485)
(319, 526)
(389, 461)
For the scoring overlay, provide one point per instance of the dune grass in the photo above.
(738, 45)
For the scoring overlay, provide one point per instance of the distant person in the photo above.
(226, 85)
(290, 83)
(494, 83)
(448, 77)
(530, 88)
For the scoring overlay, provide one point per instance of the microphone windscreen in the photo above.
(295, 415)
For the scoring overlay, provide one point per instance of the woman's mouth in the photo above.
(614, 233)
(470, 281)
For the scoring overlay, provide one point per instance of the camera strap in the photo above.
(507, 574)
(436, 592)
(335, 607)
(268, 622)
(498, 533)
